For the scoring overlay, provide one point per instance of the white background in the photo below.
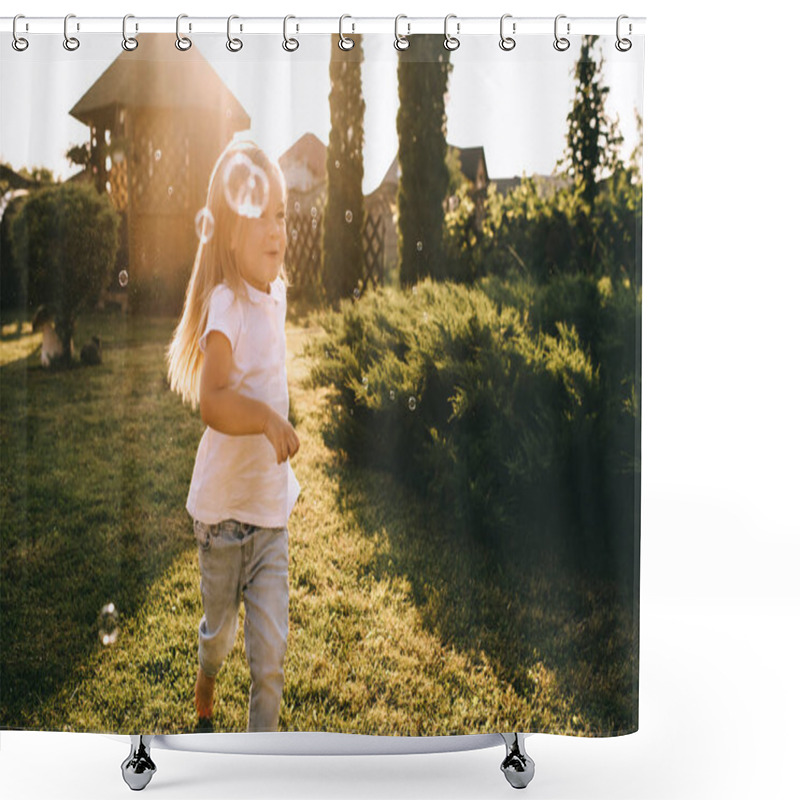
(720, 614)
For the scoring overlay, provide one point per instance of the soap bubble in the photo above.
(337, 164)
(348, 215)
(107, 624)
(294, 234)
(246, 187)
(204, 225)
(392, 394)
(412, 403)
(158, 155)
(313, 224)
(296, 206)
(123, 278)
(169, 191)
(419, 247)
(356, 294)
(365, 382)
(313, 212)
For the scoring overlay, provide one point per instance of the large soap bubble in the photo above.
(246, 187)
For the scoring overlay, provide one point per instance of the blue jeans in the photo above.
(244, 562)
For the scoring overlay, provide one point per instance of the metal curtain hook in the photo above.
(623, 45)
(506, 42)
(234, 45)
(182, 42)
(70, 42)
(345, 43)
(128, 42)
(290, 45)
(401, 41)
(18, 43)
(451, 42)
(561, 43)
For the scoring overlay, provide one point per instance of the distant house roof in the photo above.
(84, 176)
(392, 176)
(504, 185)
(303, 164)
(158, 75)
(471, 160)
(14, 179)
(544, 183)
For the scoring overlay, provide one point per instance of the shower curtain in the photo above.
(462, 341)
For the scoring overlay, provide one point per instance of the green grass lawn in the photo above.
(397, 626)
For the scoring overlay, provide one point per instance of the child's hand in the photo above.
(282, 436)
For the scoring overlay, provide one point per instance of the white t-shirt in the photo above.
(239, 477)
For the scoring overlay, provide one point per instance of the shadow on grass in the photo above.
(521, 609)
(94, 473)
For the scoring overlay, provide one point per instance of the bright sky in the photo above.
(513, 103)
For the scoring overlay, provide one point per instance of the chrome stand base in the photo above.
(517, 766)
(138, 768)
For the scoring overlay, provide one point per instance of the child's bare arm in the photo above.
(227, 411)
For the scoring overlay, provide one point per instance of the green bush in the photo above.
(12, 288)
(500, 420)
(607, 316)
(542, 231)
(64, 242)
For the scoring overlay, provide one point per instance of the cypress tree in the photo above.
(343, 220)
(592, 138)
(422, 74)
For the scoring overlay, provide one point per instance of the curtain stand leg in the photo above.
(138, 768)
(517, 766)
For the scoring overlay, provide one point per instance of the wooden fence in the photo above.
(304, 250)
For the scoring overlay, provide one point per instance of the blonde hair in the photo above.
(214, 263)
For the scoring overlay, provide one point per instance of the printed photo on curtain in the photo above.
(320, 385)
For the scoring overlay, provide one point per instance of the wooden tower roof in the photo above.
(158, 75)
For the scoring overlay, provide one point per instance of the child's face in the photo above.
(259, 245)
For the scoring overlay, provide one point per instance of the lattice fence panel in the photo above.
(304, 250)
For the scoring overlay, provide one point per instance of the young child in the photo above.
(229, 354)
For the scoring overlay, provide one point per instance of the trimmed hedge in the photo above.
(508, 405)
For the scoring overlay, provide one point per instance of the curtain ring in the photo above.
(128, 42)
(70, 42)
(181, 42)
(506, 42)
(623, 45)
(290, 45)
(450, 42)
(345, 43)
(401, 41)
(18, 43)
(234, 45)
(561, 43)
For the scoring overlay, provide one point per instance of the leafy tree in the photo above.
(40, 176)
(593, 140)
(79, 155)
(64, 240)
(343, 220)
(422, 75)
